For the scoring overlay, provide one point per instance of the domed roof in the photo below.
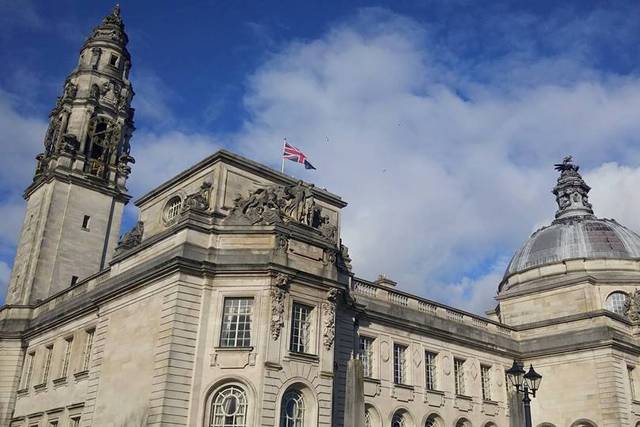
(576, 232)
(576, 238)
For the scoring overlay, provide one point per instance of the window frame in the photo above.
(172, 208)
(486, 379)
(431, 370)
(369, 365)
(459, 376)
(221, 337)
(212, 406)
(46, 363)
(89, 339)
(66, 357)
(401, 370)
(312, 327)
(616, 303)
(283, 418)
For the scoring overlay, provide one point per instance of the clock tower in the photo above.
(76, 199)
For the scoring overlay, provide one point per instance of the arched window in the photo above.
(463, 422)
(292, 410)
(398, 420)
(229, 408)
(615, 302)
(583, 423)
(371, 417)
(433, 421)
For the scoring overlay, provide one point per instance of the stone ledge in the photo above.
(81, 374)
(60, 381)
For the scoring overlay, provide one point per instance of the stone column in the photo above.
(354, 396)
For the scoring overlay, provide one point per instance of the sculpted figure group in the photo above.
(279, 204)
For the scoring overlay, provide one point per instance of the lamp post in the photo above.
(525, 383)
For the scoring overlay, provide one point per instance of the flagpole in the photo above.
(284, 141)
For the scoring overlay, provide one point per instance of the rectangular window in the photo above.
(87, 349)
(430, 370)
(67, 357)
(74, 280)
(28, 369)
(53, 423)
(485, 377)
(85, 222)
(632, 385)
(46, 363)
(301, 328)
(399, 364)
(366, 355)
(458, 370)
(236, 322)
(113, 60)
(74, 422)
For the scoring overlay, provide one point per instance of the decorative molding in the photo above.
(329, 319)
(279, 291)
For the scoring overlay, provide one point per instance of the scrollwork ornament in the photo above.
(279, 291)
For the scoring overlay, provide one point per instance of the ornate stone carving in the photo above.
(329, 257)
(199, 200)
(571, 191)
(131, 238)
(344, 260)
(68, 144)
(329, 319)
(94, 92)
(278, 204)
(632, 306)
(282, 243)
(70, 90)
(279, 291)
(123, 164)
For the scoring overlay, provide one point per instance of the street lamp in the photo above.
(525, 383)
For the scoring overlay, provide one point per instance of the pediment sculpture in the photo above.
(279, 204)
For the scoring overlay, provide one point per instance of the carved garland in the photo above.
(329, 319)
(279, 291)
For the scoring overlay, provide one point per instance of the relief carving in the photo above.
(279, 290)
(278, 204)
(632, 306)
(329, 319)
(199, 200)
(131, 238)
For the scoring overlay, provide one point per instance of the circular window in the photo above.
(615, 302)
(172, 209)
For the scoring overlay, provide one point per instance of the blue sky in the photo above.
(438, 121)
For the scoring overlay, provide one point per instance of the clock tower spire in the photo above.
(76, 199)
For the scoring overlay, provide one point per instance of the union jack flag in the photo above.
(293, 154)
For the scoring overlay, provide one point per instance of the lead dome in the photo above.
(576, 232)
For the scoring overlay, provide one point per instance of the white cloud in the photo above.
(439, 185)
(442, 187)
(614, 194)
